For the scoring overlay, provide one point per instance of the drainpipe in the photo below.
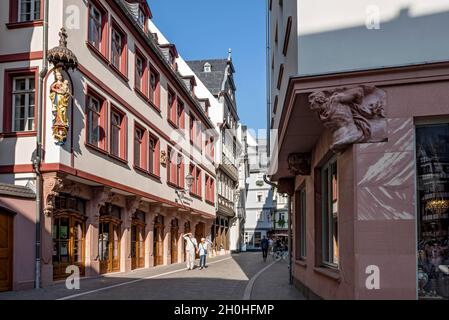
(268, 73)
(289, 199)
(38, 157)
(290, 251)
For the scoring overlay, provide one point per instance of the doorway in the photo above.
(158, 241)
(138, 240)
(174, 240)
(68, 234)
(109, 235)
(6, 251)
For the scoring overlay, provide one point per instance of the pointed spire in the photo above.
(230, 54)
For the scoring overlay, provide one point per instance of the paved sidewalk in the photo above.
(226, 278)
(273, 284)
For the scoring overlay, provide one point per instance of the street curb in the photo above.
(252, 281)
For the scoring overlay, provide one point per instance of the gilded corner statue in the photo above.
(60, 97)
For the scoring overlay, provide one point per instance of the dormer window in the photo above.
(207, 67)
(141, 18)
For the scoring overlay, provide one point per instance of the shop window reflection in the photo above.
(432, 147)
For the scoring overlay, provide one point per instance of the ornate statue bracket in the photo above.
(299, 163)
(354, 115)
(63, 59)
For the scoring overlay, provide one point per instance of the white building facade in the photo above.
(115, 186)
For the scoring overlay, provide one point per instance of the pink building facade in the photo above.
(124, 182)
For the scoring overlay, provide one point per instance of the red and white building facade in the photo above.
(114, 195)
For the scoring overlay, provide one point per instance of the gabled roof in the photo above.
(212, 80)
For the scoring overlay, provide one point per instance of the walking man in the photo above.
(191, 248)
(202, 250)
(264, 245)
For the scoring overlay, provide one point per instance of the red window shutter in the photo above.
(182, 168)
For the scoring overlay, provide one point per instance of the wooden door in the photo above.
(158, 244)
(109, 246)
(174, 244)
(137, 246)
(6, 243)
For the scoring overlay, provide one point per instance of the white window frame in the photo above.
(32, 12)
(98, 25)
(90, 121)
(27, 92)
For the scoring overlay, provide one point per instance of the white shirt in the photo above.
(191, 243)
(203, 248)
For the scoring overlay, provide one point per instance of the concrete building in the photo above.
(359, 100)
(279, 220)
(218, 76)
(115, 160)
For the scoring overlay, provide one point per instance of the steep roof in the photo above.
(213, 80)
(16, 191)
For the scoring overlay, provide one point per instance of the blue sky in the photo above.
(203, 29)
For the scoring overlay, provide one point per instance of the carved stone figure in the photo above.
(60, 97)
(299, 163)
(354, 115)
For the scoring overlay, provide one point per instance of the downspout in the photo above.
(38, 157)
(268, 73)
(289, 214)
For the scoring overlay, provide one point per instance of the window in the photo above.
(118, 49)
(207, 67)
(141, 18)
(154, 88)
(192, 127)
(23, 103)
(139, 147)
(329, 210)
(97, 28)
(180, 171)
(153, 159)
(175, 169)
(432, 208)
(198, 134)
(210, 189)
(172, 113)
(96, 108)
(198, 182)
(287, 35)
(300, 224)
(180, 119)
(118, 134)
(29, 10)
(259, 197)
(140, 82)
(280, 75)
(195, 189)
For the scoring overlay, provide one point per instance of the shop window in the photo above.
(432, 161)
(300, 224)
(329, 211)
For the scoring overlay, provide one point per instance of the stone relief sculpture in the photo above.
(354, 115)
(60, 97)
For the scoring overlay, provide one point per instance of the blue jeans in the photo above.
(203, 261)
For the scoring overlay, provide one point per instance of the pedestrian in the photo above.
(191, 248)
(202, 250)
(270, 245)
(264, 245)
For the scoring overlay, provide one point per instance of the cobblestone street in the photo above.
(240, 276)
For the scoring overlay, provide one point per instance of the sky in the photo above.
(206, 29)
